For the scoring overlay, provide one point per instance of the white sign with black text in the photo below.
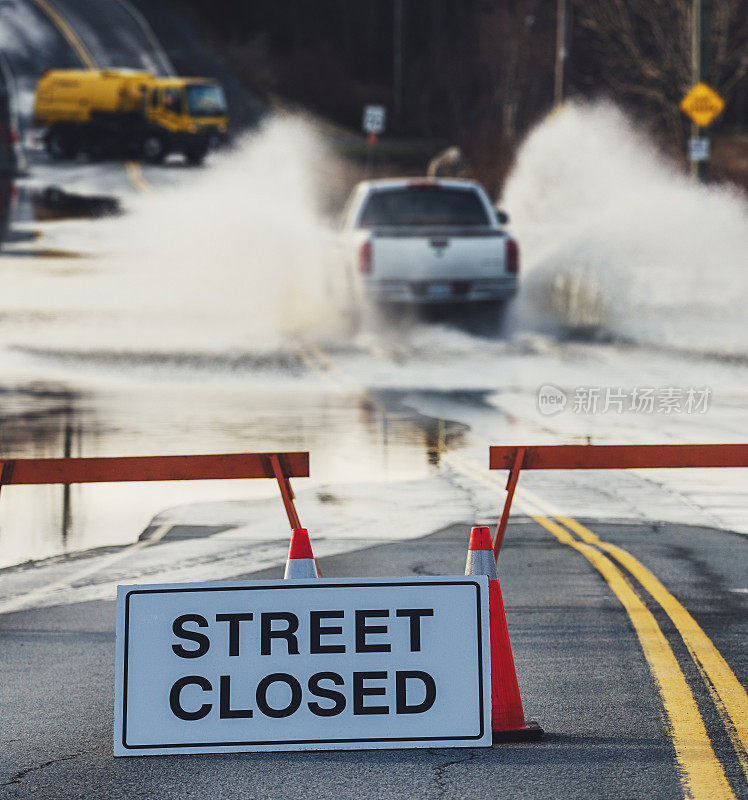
(325, 664)
(374, 119)
(698, 149)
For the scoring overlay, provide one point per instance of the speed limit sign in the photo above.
(374, 119)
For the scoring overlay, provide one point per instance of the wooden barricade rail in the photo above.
(277, 466)
(606, 456)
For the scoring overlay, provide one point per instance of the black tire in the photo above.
(61, 143)
(196, 155)
(153, 148)
(96, 150)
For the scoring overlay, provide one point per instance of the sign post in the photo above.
(703, 105)
(328, 664)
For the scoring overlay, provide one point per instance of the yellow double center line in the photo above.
(702, 774)
(134, 171)
(68, 33)
(315, 360)
(727, 692)
(135, 176)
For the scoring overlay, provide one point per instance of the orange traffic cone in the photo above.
(507, 716)
(301, 563)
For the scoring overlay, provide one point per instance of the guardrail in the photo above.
(608, 456)
(278, 466)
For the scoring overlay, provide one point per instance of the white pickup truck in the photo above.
(427, 242)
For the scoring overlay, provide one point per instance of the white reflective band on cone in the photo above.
(301, 568)
(481, 562)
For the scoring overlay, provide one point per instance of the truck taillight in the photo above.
(364, 258)
(512, 256)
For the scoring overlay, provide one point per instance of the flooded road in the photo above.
(162, 310)
(375, 414)
(201, 320)
(352, 437)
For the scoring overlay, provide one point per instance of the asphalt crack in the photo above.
(465, 485)
(19, 776)
(440, 771)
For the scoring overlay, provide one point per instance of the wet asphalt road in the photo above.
(581, 668)
(581, 671)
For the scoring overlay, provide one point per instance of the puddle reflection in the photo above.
(54, 203)
(351, 438)
(24, 205)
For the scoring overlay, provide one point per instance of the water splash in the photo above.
(616, 240)
(236, 258)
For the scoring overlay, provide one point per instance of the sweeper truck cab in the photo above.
(126, 113)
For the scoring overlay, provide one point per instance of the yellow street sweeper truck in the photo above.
(125, 113)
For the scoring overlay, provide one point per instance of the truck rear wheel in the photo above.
(61, 143)
(196, 154)
(153, 148)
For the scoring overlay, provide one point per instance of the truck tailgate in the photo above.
(437, 255)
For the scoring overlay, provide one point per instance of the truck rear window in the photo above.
(423, 205)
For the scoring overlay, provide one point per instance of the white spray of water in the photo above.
(614, 238)
(235, 260)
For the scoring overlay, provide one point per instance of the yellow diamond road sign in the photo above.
(702, 104)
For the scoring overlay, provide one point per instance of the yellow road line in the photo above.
(729, 695)
(136, 177)
(315, 358)
(702, 775)
(70, 35)
(309, 361)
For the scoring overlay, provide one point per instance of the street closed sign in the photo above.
(302, 665)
